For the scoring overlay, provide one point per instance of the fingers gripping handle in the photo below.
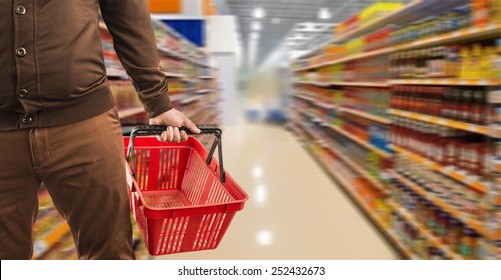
(152, 130)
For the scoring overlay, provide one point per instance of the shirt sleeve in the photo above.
(129, 23)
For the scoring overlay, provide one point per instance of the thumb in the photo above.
(191, 126)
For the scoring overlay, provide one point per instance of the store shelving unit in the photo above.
(450, 172)
(424, 232)
(467, 34)
(476, 225)
(484, 130)
(193, 89)
(347, 186)
(317, 112)
(366, 115)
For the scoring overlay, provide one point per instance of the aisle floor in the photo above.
(295, 210)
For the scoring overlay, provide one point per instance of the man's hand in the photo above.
(174, 119)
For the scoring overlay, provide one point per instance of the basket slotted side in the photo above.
(178, 202)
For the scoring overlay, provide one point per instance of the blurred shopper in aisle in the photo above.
(58, 124)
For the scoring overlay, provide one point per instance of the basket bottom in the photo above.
(165, 199)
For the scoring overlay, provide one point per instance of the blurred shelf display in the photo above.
(451, 82)
(361, 142)
(455, 174)
(367, 201)
(442, 122)
(468, 33)
(366, 115)
(424, 233)
(480, 227)
(407, 103)
(192, 89)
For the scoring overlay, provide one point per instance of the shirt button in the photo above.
(21, 52)
(22, 93)
(20, 10)
(27, 120)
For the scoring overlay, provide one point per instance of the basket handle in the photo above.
(152, 130)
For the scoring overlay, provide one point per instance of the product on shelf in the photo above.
(444, 177)
(466, 152)
(464, 104)
(378, 39)
(367, 16)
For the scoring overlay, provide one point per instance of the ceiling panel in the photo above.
(283, 15)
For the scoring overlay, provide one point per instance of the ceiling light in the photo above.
(298, 36)
(256, 26)
(254, 36)
(259, 12)
(324, 13)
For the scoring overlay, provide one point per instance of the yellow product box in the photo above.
(495, 11)
(333, 52)
(354, 46)
(339, 29)
(378, 10)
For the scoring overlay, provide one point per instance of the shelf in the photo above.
(465, 34)
(363, 143)
(325, 105)
(170, 53)
(456, 175)
(469, 33)
(206, 77)
(360, 84)
(317, 139)
(191, 99)
(178, 96)
(358, 169)
(116, 73)
(375, 24)
(300, 96)
(124, 113)
(198, 110)
(424, 231)
(173, 75)
(447, 82)
(476, 225)
(189, 81)
(347, 84)
(408, 13)
(166, 51)
(44, 245)
(346, 186)
(312, 116)
(306, 83)
(198, 63)
(484, 130)
(203, 91)
(408, 252)
(365, 115)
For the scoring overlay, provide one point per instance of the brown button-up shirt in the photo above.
(51, 62)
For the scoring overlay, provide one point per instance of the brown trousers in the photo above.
(82, 166)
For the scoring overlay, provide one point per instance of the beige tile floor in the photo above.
(295, 210)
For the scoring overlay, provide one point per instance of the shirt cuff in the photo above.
(158, 105)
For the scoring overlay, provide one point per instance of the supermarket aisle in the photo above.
(295, 211)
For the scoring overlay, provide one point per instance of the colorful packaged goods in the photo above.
(379, 39)
(378, 10)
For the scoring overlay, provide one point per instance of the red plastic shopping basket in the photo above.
(181, 198)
